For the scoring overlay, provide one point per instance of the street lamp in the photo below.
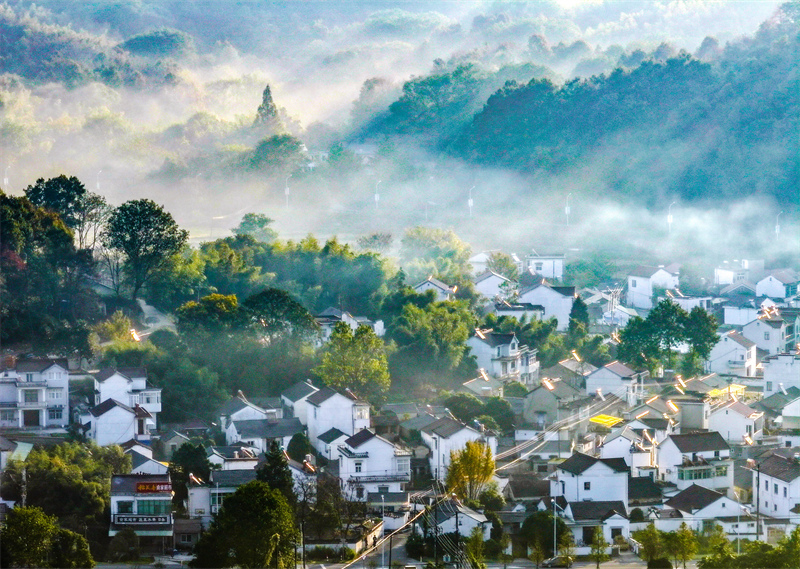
(286, 190)
(377, 195)
(470, 203)
(383, 542)
(555, 516)
(566, 208)
(669, 217)
(778, 226)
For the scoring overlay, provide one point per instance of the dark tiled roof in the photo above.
(644, 271)
(388, 497)
(494, 339)
(269, 428)
(331, 435)
(232, 478)
(29, 366)
(232, 405)
(643, 488)
(444, 427)
(298, 391)
(564, 290)
(138, 459)
(580, 462)
(693, 498)
(775, 403)
(7, 445)
(126, 483)
(360, 438)
(321, 396)
(597, 510)
(267, 402)
(107, 406)
(698, 442)
(781, 467)
(419, 422)
(528, 486)
(127, 372)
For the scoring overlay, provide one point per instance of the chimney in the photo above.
(236, 454)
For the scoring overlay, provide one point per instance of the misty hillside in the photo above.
(638, 103)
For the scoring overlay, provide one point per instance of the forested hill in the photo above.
(726, 126)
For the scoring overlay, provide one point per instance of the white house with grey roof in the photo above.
(130, 387)
(701, 508)
(618, 379)
(206, 496)
(491, 285)
(642, 282)
(113, 423)
(328, 442)
(781, 372)
(445, 435)
(330, 317)
(370, 463)
(735, 421)
(294, 400)
(328, 409)
(776, 484)
(233, 457)
(586, 478)
(448, 511)
(550, 266)
(584, 517)
(733, 354)
(702, 458)
(778, 283)
(442, 290)
(143, 464)
(555, 300)
(259, 433)
(769, 333)
(240, 409)
(34, 394)
(502, 356)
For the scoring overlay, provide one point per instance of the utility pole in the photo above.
(758, 501)
(391, 535)
(435, 536)
(458, 542)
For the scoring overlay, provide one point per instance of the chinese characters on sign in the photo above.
(134, 519)
(153, 487)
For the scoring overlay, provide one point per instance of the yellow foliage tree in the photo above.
(471, 468)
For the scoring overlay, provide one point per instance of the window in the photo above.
(769, 386)
(766, 335)
(8, 415)
(124, 507)
(716, 452)
(153, 507)
(766, 485)
(587, 485)
(218, 497)
(28, 377)
(186, 538)
(784, 492)
(539, 266)
(358, 467)
(54, 414)
(383, 489)
(774, 507)
(774, 488)
(633, 283)
(31, 396)
(498, 351)
(55, 393)
(359, 493)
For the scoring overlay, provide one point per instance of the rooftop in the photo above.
(699, 442)
(693, 498)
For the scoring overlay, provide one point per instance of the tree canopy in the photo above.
(471, 469)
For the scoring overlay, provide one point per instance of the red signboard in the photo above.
(153, 487)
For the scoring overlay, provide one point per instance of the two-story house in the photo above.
(701, 508)
(328, 409)
(128, 386)
(34, 394)
(259, 433)
(543, 404)
(113, 423)
(370, 463)
(768, 333)
(446, 435)
(776, 484)
(643, 282)
(778, 283)
(240, 409)
(586, 478)
(206, 497)
(702, 458)
(549, 266)
(502, 356)
(493, 285)
(555, 300)
(636, 450)
(618, 379)
(143, 503)
(330, 317)
(781, 372)
(736, 421)
(294, 400)
(733, 354)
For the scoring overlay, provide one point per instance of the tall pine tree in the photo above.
(275, 472)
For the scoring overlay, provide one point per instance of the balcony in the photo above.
(32, 404)
(397, 477)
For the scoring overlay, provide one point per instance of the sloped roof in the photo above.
(235, 404)
(777, 401)
(580, 462)
(321, 395)
(138, 459)
(643, 488)
(331, 435)
(360, 438)
(785, 276)
(528, 486)
(693, 498)
(489, 273)
(269, 428)
(419, 422)
(494, 339)
(39, 365)
(126, 483)
(126, 372)
(739, 339)
(619, 368)
(738, 407)
(698, 442)
(647, 271)
(597, 510)
(445, 427)
(781, 467)
(232, 478)
(107, 406)
(298, 391)
(437, 283)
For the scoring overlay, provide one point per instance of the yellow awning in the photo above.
(732, 389)
(605, 420)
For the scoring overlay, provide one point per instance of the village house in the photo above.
(170, 442)
(259, 433)
(617, 379)
(330, 317)
(544, 404)
(450, 512)
(702, 458)
(328, 409)
(701, 508)
(556, 300)
(584, 517)
(445, 435)
(586, 478)
(233, 457)
(240, 409)
(493, 285)
(736, 422)
(368, 463)
(143, 464)
(776, 483)
(773, 406)
(502, 356)
(442, 291)
(34, 394)
(129, 386)
(143, 503)
(572, 370)
(732, 355)
(643, 282)
(781, 372)
(206, 497)
(484, 386)
(550, 266)
(112, 423)
(519, 310)
(768, 333)
(295, 398)
(636, 450)
(778, 283)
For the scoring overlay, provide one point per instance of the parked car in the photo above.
(558, 561)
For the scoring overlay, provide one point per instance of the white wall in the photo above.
(555, 304)
(604, 484)
(782, 369)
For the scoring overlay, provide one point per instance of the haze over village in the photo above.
(416, 285)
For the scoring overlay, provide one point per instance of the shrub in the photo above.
(660, 563)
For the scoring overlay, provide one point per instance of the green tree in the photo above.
(378, 242)
(299, 446)
(471, 469)
(254, 525)
(464, 406)
(566, 545)
(278, 153)
(70, 550)
(638, 344)
(474, 548)
(62, 195)
(502, 264)
(273, 313)
(26, 537)
(538, 527)
(189, 459)
(514, 389)
(668, 325)
(212, 313)
(500, 410)
(275, 472)
(598, 548)
(257, 225)
(147, 236)
(685, 544)
(426, 251)
(701, 332)
(537, 553)
(355, 360)
(116, 328)
(652, 544)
